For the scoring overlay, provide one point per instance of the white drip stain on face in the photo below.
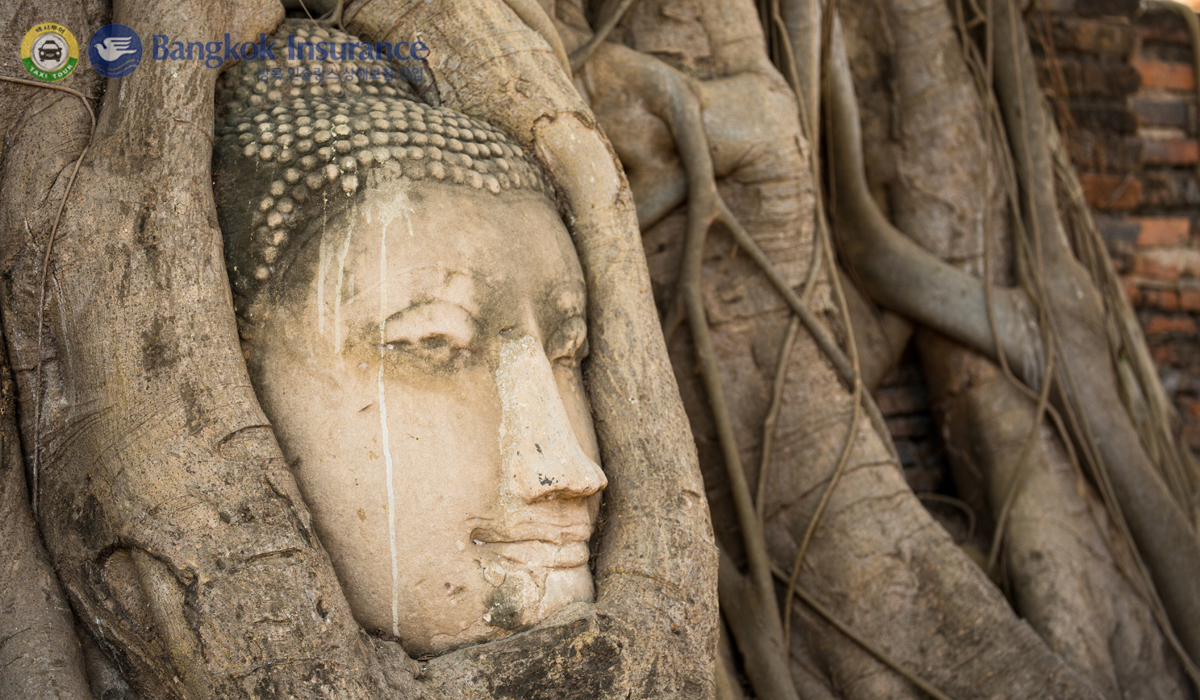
(387, 458)
(385, 221)
(337, 306)
(322, 271)
(383, 426)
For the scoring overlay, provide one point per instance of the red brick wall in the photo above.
(1126, 100)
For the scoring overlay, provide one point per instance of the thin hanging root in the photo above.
(333, 17)
(612, 17)
(852, 431)
(772, 419)
(845, 367)
(838, 470)
(1022, 464)
(37, 382)
(807, 97)
(959, 505)
(780, 383)
(982, 71)
(879, 654)
(704, 207)
(305, 8)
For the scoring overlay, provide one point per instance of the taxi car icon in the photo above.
(50, 51)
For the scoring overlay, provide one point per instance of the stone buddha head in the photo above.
(413, 317)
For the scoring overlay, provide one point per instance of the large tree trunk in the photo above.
(878, 560)
(39, 653)
(182, 544)
(167, 508)
(1064, 579)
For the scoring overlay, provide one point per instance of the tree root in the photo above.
(883, 657)
(1069, 576)
(1137, 494)
(612, 12)
(869, 477)
(38, 647)
(35, 486)
(1172, 550)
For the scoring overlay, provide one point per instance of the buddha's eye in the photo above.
(437, 333)
(436, 348)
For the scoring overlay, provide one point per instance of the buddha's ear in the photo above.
(491, 65)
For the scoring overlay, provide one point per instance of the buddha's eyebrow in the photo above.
(420, 285)
(459, 287)
(423, 301)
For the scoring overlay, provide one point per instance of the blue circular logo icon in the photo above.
(115, 50)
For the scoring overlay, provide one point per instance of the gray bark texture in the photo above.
(167, 533)
(166, 507)
(1061, 556)
(878, 560)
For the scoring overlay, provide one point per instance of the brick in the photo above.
(1162, 230)
(1165, 76)
(1103, 115)
(910, 426)
(1108, 36)
(1104, 152)
(1167, 264)
(1173, 109)
(1122, 8)
(1176, 325)
(1111, 192)
(1109, 79)
(1163, 355)
(1094, 8)
(901, 400)
(1167, 53)
(1174, 152)
(1189, 407)
(1092, 78)
(1164, 26)
(1156, 267)
(1192, 433)
(1122, 257)
(1189, 299)
(1162, 299)
(1115, 229)
(1169, 189)
(1188, 260)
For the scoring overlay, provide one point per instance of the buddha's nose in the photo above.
(541, 454)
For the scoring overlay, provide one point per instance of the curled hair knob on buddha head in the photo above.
(294, 137)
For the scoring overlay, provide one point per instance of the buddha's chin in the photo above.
(524, 598)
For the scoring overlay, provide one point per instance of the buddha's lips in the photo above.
(543, 554)
(567, 531)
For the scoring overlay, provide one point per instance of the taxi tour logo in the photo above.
(49, 52)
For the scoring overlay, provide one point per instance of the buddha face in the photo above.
(422, 375)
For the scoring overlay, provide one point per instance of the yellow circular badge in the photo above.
(49, 52)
